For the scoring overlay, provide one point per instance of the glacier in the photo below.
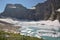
(36, 28)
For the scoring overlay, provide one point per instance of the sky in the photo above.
(26, 3)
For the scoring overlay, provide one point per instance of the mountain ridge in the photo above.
(42, 11)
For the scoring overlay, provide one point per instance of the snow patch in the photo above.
(58, 10)
(32, 23)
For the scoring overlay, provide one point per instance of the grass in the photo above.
(12, 36)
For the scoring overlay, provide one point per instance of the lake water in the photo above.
(40, 32)
(47, 32)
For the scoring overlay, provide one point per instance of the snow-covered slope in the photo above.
(51, 23)
(9, 20)
(31, 23)
(47, 23)
(46, 28)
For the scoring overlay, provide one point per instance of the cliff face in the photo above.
(18, 11)
(14, 10)
(43, 11)
(48, 9)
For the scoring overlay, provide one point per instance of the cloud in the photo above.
(33, 8)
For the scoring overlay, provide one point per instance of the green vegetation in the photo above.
(12, 36)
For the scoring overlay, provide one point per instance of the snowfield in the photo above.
(36, 23)
(36, 28)
(43, 22)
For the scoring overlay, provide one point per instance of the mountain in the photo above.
(18, 11)
(47, 10)
(14, 10)
(42, 11)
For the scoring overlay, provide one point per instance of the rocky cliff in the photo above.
(14, 10)
(18, 11)
(47, 10)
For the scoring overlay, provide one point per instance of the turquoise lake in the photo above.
(33, 31)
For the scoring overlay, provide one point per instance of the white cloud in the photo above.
(33, 8)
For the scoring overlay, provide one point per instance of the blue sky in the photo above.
(26, 3)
